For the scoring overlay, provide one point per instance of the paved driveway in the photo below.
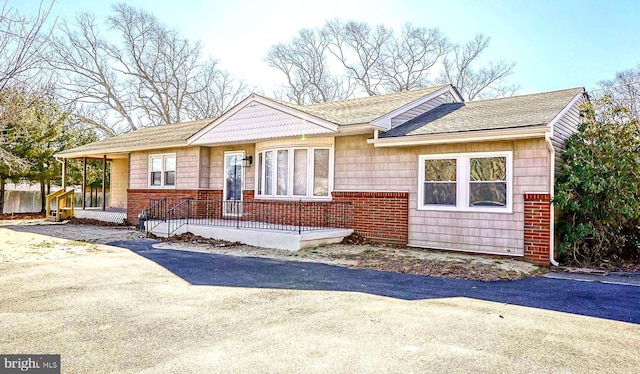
(154, 311)
(590, 298)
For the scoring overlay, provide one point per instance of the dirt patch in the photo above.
(371, 256)
(21, 216)
(89, 233)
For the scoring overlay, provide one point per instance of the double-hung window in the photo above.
(162, 170)
(294, 172)
(467, 181)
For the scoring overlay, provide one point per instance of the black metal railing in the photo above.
(296, 216)
(158, 212)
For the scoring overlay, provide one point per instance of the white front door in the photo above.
(233, 184)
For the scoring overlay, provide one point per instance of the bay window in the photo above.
(468, 181)
(294, 172)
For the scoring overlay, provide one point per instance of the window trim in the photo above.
(290, 177)
(462, 184)
(161, 156)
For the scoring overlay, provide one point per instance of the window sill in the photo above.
(162, 187)
(293, 198)
(508, 210)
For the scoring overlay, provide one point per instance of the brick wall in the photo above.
(138, 199)
(537, 227)
(378, 216)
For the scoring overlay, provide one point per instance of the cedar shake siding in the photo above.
(361, 167)
(119, 182)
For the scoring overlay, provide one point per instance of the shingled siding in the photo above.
(188, 165)
(361, 167)
(119, 182)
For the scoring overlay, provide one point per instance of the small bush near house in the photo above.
(598, 189)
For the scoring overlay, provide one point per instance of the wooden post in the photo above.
(104, 182)
(64, 174)
(84, 183)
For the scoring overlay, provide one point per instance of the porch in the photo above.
(289, 225)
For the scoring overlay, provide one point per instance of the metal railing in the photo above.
(296, 216)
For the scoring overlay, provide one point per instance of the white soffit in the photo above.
(257, 121)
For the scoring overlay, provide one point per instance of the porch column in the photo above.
(64, 174)
(104, 182)
(84, 183)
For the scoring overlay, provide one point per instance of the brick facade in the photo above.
(537, 228)
(378, 216)
(138, 199)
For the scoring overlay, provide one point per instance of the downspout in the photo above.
(552, 172)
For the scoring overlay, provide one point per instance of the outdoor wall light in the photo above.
(247, 161)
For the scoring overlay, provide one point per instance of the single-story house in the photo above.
(421, 168)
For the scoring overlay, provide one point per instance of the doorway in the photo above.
(234, 182)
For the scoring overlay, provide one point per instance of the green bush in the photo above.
(598, 189)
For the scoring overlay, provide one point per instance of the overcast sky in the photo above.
(556, 44)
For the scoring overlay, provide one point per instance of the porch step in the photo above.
(276, 239)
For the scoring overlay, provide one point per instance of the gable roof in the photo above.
(503, 113)
(156, 137)
(258, 118)
(363, 110)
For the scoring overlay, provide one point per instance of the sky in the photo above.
(555, 44)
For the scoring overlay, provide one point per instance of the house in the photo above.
(421, 168)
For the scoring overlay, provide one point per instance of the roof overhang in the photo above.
(576, 99)
(384, 122)
(120, 152)
(528, 132)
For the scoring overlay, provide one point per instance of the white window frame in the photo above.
(161, 156)
(463, 161)
(291, 155)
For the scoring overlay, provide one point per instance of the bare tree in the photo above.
(484, 82)
(23, 44)
(410, 58)
(304, 64)
(623, 90)
(360, 50)
(151, 76)
(378, 61)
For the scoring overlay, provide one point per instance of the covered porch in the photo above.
(109, 201)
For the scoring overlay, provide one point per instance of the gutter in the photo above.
(552, 172)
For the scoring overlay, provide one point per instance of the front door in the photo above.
(234, 178)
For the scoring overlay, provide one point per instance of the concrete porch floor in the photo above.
(289, 239)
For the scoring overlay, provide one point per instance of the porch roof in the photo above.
(163, 136)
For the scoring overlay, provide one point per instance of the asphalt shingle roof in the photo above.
(503, 113)
(362, 110)
(146, 138)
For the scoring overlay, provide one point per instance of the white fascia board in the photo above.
(99, 154)
(462, 137)
(267, 102)
(358, 129)
(384, 122)
(564, 111)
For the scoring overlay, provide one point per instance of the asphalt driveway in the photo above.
(157, 311)
(597, 299)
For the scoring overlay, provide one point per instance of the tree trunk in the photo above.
(43, 200)
(2, 194)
